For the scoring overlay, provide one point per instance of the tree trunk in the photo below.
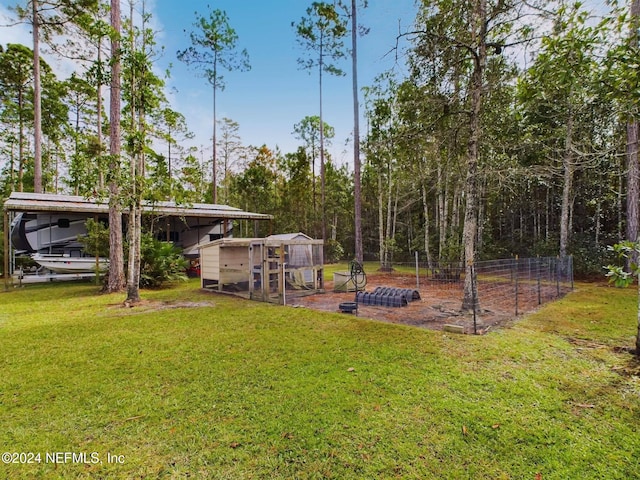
(547, 215)
(133, 276)
(425, 209)
(99, 114)
(381, 249)
(75, 140)
(633, 179)
(37, 103)
(394, 224)
(633, 175)
(470, 230)
(638, 318)
(481, 215)
(443, 213)
(12, 166)
(567, 188)
(454, 207)
(322, 169)
(597, 222)
(226, 189)
(356, 138)
(214, 181)
(57, 174)
(116, 282)
(133, 232)
(21, 142)
(137, 172)
(387, 230)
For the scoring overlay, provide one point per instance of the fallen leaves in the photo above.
(465, 430)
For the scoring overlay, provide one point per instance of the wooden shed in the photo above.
(266, 269)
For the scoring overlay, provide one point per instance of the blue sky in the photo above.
(275, 94)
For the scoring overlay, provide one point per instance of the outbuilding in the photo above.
(266, 269)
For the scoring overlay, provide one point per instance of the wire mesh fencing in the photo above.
(522, 284)
(500, 289)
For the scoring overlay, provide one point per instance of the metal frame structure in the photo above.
(43, 203)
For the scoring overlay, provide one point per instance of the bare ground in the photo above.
(439, 305)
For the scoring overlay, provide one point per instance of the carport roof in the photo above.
(43, 202)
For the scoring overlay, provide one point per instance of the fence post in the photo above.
(538, 279)
(558, 277)
(474, 295)
(571, 270)
(417, 271)
(516, 282)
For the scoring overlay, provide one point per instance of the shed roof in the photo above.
(42, 202)
(269, 241)
(289, 236)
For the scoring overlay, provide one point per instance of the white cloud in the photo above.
(21, 33)
(10, 33)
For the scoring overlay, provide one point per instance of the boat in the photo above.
(68, 264)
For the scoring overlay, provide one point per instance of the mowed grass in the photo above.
(231, 389)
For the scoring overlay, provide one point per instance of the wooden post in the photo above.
(252, 279)
(266, 280)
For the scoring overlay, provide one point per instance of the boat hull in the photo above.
(64, 264)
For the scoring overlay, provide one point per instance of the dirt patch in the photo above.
(146, 306)
(439, 305)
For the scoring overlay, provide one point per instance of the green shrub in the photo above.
(96, 241)
(161, 262)
(333, 251)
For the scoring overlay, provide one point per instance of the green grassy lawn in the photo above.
(233, 389)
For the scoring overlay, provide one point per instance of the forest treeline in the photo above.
(512, 132)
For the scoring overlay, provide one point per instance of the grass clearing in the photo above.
(228, 388)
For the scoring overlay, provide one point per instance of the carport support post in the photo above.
(95, 219)
(6, 251)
